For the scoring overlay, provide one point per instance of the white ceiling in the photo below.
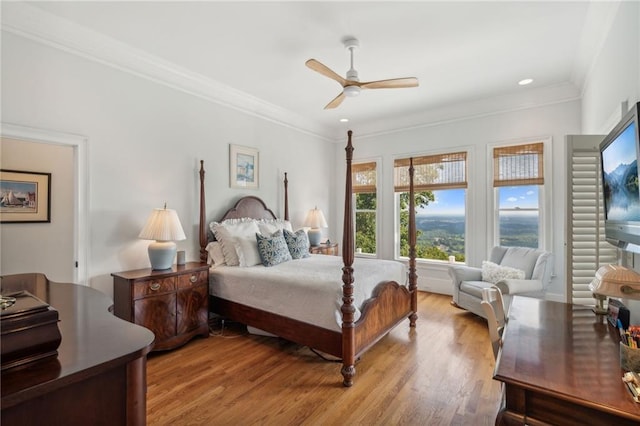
(461, 52)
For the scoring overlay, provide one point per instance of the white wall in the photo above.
(615, 74)
(145, 141)
(53, 252)
(474, 135)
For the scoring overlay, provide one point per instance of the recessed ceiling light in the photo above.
(344, 120)
(525, 81)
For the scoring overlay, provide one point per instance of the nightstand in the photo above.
(330, 249)
(173, 303)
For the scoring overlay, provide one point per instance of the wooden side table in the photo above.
(173, 303)
(329, 249)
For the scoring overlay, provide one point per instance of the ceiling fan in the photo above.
(352, 85)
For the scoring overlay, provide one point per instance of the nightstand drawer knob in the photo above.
(193, 278)
(154, 286)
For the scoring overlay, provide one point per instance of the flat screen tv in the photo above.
(619, 153)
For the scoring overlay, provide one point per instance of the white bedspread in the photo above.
(309, 290)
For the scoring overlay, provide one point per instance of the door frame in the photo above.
(81, 187)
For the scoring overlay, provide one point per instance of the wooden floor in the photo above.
(438, 374)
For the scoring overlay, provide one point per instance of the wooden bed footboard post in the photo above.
(202, 228)
(413, 276)
(347, 309)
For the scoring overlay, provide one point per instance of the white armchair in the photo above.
(468, 281)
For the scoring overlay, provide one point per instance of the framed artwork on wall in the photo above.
(244, 167)
(25, 197)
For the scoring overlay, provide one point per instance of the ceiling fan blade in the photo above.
(394, 83)
(336, 101)
(324, 70)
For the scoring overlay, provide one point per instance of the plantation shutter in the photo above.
(432, 172)
(587, 248)
(363, 177)
(518, 165)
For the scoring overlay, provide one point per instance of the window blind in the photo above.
(587, 248)
(432, 172)
(518, 165)
(363, 177)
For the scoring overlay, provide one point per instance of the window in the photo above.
(366, 206)
(518, 180)
(440, 183)
(518, 216)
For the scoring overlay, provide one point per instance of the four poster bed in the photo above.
(363, 316)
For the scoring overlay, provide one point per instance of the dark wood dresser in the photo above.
(99, 375)
(173, 303)
(560, 365)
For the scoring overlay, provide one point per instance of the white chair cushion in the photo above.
(493, 273)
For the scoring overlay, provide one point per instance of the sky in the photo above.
(451, 202)
(621, 151)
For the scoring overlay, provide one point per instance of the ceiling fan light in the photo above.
(351, 91)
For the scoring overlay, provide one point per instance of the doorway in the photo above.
(59, 248)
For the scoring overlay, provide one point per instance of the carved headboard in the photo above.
(249, 206)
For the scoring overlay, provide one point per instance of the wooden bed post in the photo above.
(286, 197)
(413, 277)
(202, 229)
(347, 309)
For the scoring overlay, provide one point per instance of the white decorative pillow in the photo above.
(213, 225)
(494, 273)
(269, 226)
(215, 253)
(229, 232)
(247, 250)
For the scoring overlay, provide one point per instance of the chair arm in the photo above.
(465, 273)
(519, 286)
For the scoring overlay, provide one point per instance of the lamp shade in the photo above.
(616, 281)
(163, 226)
(315, 220)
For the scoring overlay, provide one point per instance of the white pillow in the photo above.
(247, 251)
(494, 273)
(269, 226)
(213, 225)
(215, 253)
(228, 233)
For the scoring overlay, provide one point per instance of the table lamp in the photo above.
(315, 220)
(164, 227)
(615, 281)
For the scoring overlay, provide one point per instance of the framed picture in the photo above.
(25, 197)
(244, 167)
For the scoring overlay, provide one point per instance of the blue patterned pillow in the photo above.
(273, 249)
(298, 243)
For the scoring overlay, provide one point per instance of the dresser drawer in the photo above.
(153, 287)
(192, 279)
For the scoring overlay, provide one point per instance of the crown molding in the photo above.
(45, 28)
(446, 114)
